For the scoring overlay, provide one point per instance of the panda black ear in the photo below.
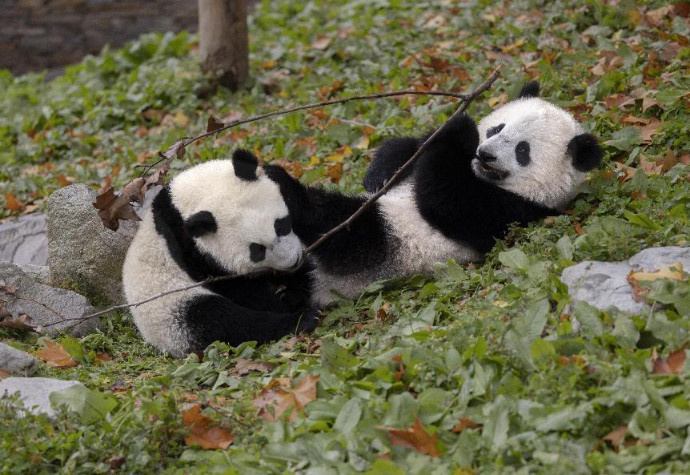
(531, 89)
(201, 223)
(245, 164)
(585, 151)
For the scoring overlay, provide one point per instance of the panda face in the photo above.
(526, 148)
(237, 216)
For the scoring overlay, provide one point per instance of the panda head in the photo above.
(535, 150)
(236, 215)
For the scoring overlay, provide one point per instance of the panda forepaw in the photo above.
(460, 133)
(309, 321)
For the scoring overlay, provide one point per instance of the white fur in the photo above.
(550, 179)
(417, 247)
(245, 212)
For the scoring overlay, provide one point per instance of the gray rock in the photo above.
(46, 306)
(605, 284)
(81, 250)
(24, 241)
(37, 273)
(34, 393)
(653, 258)
(15, 361)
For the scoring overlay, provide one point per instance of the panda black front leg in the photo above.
(211, 317)
(390, 156)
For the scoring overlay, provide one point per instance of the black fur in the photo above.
(586, 152)
(531, 89)
(314, 211)
(395, 153)
(242, 304)
(283, 226)
(211, 318)
(522, 153)
(257, 252)
(491, 131)
(245, 164)
(201, 223)
(453, 200)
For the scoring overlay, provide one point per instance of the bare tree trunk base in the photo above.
(224, 42)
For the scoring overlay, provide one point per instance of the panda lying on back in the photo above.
(523, 163)
(219, 218)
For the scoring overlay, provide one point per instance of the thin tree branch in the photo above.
(466, 100)
(323, 104)
(372, 199)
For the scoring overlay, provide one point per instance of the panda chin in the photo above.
(487, 172)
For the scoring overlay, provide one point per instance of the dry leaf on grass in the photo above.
(464, 424)
(616, 437)
(278, 397)
(20, 322)
(673, 272)
(416, 437)
(203, 432)
(672, 364)
(243, 367)
(55, 355)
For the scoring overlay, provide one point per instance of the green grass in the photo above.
(485, 343)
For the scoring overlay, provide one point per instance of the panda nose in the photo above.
(485, 156)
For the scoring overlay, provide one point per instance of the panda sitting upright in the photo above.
(523, 163)
(222, 217)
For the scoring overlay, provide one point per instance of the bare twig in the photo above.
(466, 100)
(372, 199)
(315, 105)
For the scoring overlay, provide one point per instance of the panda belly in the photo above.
(414, 248)
(149, 269)
(419, 245)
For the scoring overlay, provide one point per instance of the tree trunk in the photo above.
(224, 41)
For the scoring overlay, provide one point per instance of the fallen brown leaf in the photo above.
(203, 432)
(673, 364)
(464, 424)
(321, 43)
(278, 397)
(4, 374)
(416, 437)
(243, 367)
(616, 437)
(20, 322)
(55, 355)
(12, 203)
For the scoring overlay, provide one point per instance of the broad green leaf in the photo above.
(349, 416)
(90, 405)
(542, 349)
(514, 259)
(565, 247)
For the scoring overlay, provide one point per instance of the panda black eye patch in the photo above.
(201, 223)
(257, 252)
(522, 153)
(283, 226)
(491, 131)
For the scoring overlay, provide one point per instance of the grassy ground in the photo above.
(481, 356)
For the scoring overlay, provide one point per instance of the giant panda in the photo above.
(522, 163)
(222, 217)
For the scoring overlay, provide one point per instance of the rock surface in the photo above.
(605, 284)
(81, 250)
(34, 393)
(23, 240)
(45, 305)
(15, 361)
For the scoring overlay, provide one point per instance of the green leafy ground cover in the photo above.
(483, 356)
